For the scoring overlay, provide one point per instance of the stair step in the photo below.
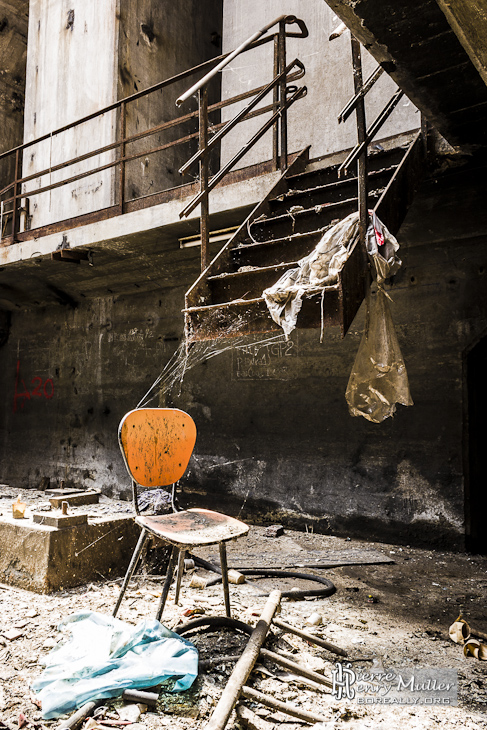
(269, 253)
(251, 316)
(302, 221)
(248, 284)
(327, 175)
(331, 192)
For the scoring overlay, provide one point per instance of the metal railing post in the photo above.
(121, 179)
(275, 107)
(204, 209)
(282, 97)
(362, 160)
(16, 196)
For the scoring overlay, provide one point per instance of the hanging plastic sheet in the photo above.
(103, 656)
(379, 379)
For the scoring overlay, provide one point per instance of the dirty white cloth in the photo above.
(313, 274)
(103, 656)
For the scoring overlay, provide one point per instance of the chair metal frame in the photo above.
(156, 461)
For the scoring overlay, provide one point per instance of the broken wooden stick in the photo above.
(245, 664)
(294, 667)
(252, 694)
(288, 629)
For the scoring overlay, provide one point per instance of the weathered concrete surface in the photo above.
(275, 439)
(46, 559)
(70, 74)
(427, 60)
(158, 41)
(312, 120)
(13, 54)
(137, 251)
(84, 57)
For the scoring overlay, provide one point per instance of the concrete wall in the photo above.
(328, 78)
(84, 55)
(70, 74)
(13, 54)
(275, 440)
(158, 41)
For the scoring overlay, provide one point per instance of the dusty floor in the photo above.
(415, 599)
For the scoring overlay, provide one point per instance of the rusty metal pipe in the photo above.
(242, 47)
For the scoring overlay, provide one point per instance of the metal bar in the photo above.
(310, 717)
(244, 665)
(224, 565)
(167, 583)
(242, 47)
(295, 667)
(275, 106)
(204, 175)
(363, 209)
(288, 629)
(129, 158)
(282, 98)
(373, 129)
(85, 711)
(121, 187)
(137, 695)
(130, 569)
(134, 497)
(137, 95)
(228, 126)
(221, 174)
(148, 133)
(179, 578)
(350, 106)
(16, 194)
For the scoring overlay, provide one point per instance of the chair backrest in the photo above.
(156, 444)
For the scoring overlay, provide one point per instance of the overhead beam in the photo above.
(468, 19)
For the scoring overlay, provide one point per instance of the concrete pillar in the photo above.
(84, 55)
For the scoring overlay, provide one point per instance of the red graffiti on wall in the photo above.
(40, 389)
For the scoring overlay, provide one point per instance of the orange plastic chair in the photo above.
(157, 444)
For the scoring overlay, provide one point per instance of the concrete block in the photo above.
(76, 499)
(60, 521)
(45, 559)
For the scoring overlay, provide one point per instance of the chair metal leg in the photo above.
(131, 569)
(223, 563)
(167, 583)
(182, 555)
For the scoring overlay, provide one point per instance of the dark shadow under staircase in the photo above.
(227, 298)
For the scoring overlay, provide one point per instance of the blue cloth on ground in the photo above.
(103, 656)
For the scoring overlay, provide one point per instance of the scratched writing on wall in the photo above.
(38, 388)
(271, 361)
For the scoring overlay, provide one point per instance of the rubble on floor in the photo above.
(416, 599)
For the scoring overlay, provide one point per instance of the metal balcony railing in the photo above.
(200, 126)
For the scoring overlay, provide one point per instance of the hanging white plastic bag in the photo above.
(379, 379)
(103, 656)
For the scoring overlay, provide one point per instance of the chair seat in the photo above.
(193, 527)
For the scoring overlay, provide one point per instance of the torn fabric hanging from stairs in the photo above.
(379, 378)
(314, 273)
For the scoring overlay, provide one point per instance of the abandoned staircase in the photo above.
(227, 299)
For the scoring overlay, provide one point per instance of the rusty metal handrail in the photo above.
(287, 19)
(278, 120)
(245, 111)
(279, 102)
